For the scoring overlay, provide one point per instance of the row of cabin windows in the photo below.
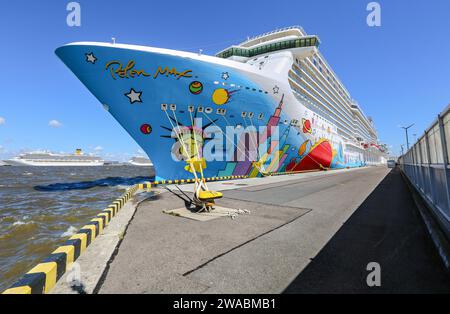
(330, 79)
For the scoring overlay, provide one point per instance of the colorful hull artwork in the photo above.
(151, 92)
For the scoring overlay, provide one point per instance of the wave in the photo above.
(20, 222)
(84, 185)
(69, 232)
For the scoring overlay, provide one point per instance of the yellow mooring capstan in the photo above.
(203, 197)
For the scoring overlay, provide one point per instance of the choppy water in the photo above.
(41, 207)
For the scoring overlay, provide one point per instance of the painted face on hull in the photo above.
(190, 143)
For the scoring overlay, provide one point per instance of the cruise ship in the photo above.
(43, 158)
(269, 104)
(140, 161)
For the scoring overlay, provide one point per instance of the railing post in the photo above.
(430, 179)
(445, 158)
(443, 139)
(413, 154)
(420, 168)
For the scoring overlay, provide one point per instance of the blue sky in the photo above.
(399, 72)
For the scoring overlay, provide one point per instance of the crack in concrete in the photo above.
(246, 242)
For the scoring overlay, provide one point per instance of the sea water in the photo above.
(41, 207)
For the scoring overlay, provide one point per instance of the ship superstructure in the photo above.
(316, 86)
(268, 104)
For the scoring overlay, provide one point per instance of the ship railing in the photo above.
(426, 165)
(278, 30)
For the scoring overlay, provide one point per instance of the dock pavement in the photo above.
(303, 233)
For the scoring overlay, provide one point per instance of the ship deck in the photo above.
(305, 233)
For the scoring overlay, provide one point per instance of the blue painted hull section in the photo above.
(135, 100)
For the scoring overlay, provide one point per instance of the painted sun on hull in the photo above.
(151, 94)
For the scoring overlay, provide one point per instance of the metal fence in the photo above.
(426, 164)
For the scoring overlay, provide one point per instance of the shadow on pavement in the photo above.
(387, 229)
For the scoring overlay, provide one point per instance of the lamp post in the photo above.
(406, 133)
(402, 149)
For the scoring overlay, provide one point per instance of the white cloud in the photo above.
(55, 124)
(98, 148)
(2, 120)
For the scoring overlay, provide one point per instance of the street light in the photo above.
(406, 133)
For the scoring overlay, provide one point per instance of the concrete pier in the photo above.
(305, 233)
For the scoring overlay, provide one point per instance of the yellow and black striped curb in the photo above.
(43, 277)
(148, 185)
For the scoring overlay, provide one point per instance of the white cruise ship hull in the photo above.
(140, 164)
(19, 162)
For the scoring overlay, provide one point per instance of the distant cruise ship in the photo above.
(278, 80)
(50, 159)
(140, 161)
